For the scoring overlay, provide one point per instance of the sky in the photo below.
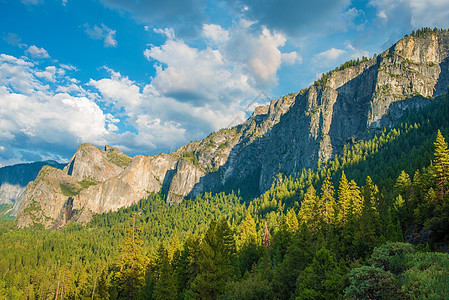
(147, 76)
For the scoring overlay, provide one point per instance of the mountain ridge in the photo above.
(298, 131)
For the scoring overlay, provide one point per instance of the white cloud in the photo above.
(203, 89)
(35, 116)
(291, 58)
(48, 74)
(215, 33)
(118, 90)
(102, 33)
(168, 32)
(13, 39)
(37, 52)
(328, 58)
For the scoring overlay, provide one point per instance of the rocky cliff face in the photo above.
(49, 199)
(14, 179)
(352, 101)
(46, 199)
(295, 132)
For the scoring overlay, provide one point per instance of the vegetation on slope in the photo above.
(321, 235)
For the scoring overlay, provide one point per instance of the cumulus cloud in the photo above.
(37, 52)
(204, 89)
(328, 58)
(33, 116)
(215, 33)
(102, 32)
(118, 90)
(291, 58)
(185, 16)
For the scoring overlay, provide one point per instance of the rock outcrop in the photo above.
(90, 162)
(298, 131)
(49, 199)
(46, 199)
(14, 179)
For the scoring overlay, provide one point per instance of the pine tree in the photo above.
(356, 203)
(441, 164)
(291, 220)
(326, 207)
(309, 209)
(344, 199)
(187, 267)
(165, 287)
(368, 231)
(215, 261)
(323, 279)
(129, 270)
(247, 231)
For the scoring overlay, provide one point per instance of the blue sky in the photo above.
(150, 76)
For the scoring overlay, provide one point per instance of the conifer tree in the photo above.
(187, 267)
(291, 220)
(129, 270)
(344, 199)
(356, 203)
(165, 287)
(326, 207)
(309, 209)
(441, 164)
(215, 261)
(247, 231)
(323, 279)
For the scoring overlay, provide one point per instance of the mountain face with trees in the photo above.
(297, 132)
(372, 223)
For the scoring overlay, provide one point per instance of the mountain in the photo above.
(48, 199)
(302, 130)
(14, 179)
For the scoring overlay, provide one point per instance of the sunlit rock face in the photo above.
(300, 130)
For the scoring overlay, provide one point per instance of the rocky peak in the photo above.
(294, 132)
(90, 162)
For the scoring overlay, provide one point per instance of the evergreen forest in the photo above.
(372, 223)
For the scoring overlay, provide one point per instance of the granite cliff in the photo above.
(14, 179)
(297, 131)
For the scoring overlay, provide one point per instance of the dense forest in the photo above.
(372, 223)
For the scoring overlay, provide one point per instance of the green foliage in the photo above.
(129, 270)
(85, 183)
(323, 279)
(191, 156)
(391, 256)
(215, 261)
(121, 160)
(426, 276)
(69, 190)
(426, 30)
(5, 210)
(292, 241)
(369, 282)
(351, 63)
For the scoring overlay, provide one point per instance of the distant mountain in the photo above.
(14, 179)
(299, 131)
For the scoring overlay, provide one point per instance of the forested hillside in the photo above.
(378, 213)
